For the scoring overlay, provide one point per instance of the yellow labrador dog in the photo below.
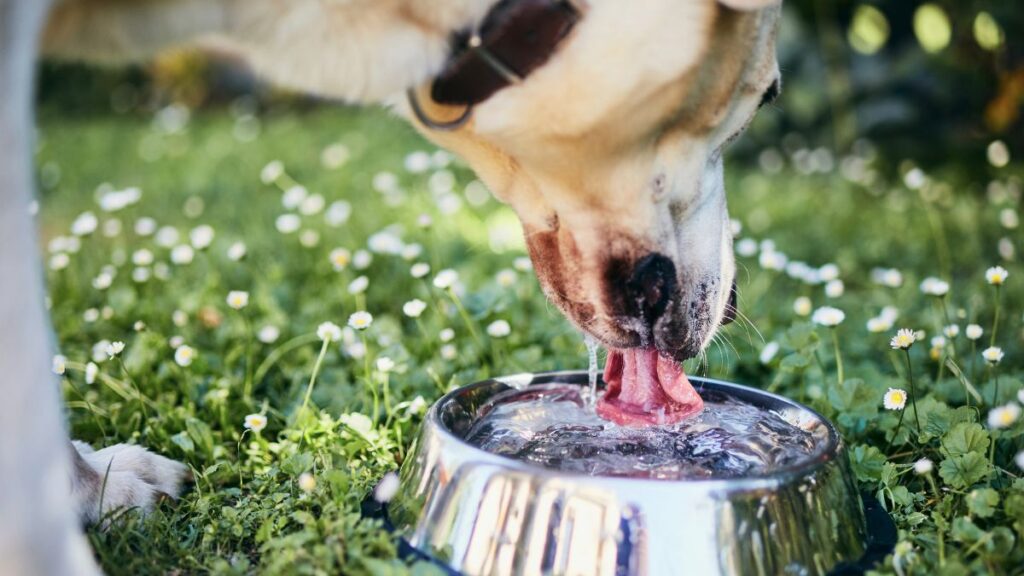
(601, 122)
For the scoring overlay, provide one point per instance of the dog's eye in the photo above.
(770, 94)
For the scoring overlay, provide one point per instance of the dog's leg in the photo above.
(120, 477)
(39, 530)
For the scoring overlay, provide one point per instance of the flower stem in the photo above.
(913, 392)
(839, 357)
(465, 318)
(995, 320)
(995, 390)
(247, 390)
(896, 432)
(368, 378)
(316, 371)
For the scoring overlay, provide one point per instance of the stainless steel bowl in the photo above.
(480, 513)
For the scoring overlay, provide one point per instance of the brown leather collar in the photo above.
(515, 38)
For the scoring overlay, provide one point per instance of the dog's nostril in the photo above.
(651, 285)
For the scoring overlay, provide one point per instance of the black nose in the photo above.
(651, 285)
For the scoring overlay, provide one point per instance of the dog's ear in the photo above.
(749, 4)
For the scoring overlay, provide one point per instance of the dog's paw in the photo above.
(123, 476)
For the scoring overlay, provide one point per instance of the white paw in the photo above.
(123, 476)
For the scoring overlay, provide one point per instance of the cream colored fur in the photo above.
(613, 147)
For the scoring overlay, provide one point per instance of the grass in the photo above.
(247, 512)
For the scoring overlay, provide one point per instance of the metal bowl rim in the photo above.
(785, 475)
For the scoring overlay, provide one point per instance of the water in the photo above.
(592, 371)
(554, 427)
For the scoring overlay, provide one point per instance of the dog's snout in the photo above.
(652, 284)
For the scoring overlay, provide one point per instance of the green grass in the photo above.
(246, 512)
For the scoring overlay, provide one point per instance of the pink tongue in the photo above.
(643, 388)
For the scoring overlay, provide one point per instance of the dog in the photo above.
(600, 122)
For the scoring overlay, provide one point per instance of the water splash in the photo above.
(592, 371)
(552, 426)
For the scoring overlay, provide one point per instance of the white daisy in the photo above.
(360, 320)
(446, 279)
(834, 288)
(237, 251)
(183, 355)
(268, 334)
(414, 308)
(506, 278)
(419, 269)
(446, 335)
(238, 299)
(338, 213)
(271, 172)
(255, 422)
(362, 259)
(996, 275)
(1003, 416)
(746, 247)
(85, 224)
(973, 331)
(288, 223)
(166, 237)
(359, 285)
(329, 332)
(768, 352)
(993, 355)
(114, 348)
(201, 237)
(895, 399)
(307, 483)
(385, 364)
(145, 226)
(903, 339)
(182, 255)
(923, 466)
(91, 371)
(386, 488)
(802, 306)
(499, 329)
(934, 286)
(142, 257)
(828, 316)
(59, 364)
(879, 324)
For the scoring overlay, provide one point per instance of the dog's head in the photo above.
(611, 155)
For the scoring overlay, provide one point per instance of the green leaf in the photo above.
(201, 434)
(965, 531)
(853, 398)
(297, 464)
(940, 422)
(964, 470)
(182, 440)
(795, 362)
(964, 438)
(982, 502)
(867, 462)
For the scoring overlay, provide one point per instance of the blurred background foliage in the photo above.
(939, 83)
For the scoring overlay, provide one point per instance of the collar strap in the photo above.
(515, 38)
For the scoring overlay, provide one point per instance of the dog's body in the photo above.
(610, 153)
